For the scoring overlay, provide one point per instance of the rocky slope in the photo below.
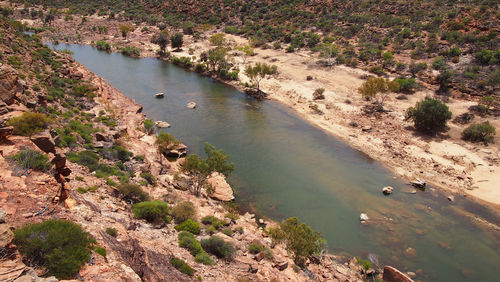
(89, 114)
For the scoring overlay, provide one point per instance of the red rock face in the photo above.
(391, 274)
(8, 84)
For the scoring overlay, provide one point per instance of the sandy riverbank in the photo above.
(446, 161)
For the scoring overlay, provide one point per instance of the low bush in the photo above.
(228, 232)
(479, 132)
(149, 126)
(189, 226)
(61, 246)
(131, 51)
(149, 178)
(111, 231)
(29, 123)
(182, 266)
(187, 241)
(406, 85)
(184, 211)
(165, 141)
(318, 94)
(100, 250)
(204, 258)
(103, 46)
(429, 115)
(214, 221)
(255, 248)
(152, 212)
(133, 193)
(31, 159)
(218, 247)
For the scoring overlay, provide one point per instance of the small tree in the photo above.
(329, 51)
(246, 51)
(444, 79)
(165, 142)
(176, 41)
(125, 29)
(161, 39)
(429, 115)
(188, 28)
(378, 88)
(218, 39)
(201, 169)
(258, 72)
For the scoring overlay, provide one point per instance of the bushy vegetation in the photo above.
(31, 159)
(165, 142)
(255, 248)
(152, 212)
(213, 221)
(479, 132)
(29, 123)
(184, 211)
(182, 266)
(132, 193)
(378, 88)
(218, 247)
(111, 231)
(189, 225)
(149, 178)
(103, 45)
(60, 246)
(189, 242)
(149, 126)
(318, 94)
(300, 239)
(131, 51)
(429, 116)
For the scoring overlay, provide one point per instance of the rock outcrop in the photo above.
(9, 84)
(222, 191)
(391, 274)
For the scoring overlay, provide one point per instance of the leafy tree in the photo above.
(258, 72)
(177, 40)
(246, 52)
(218, 39)
(429, 115)
(215, 59)
(378, 88)
(161, 38)
(125, 29)
(300, 239)
(200, 169)
(61, 246)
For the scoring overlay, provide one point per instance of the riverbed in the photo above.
(286, 167)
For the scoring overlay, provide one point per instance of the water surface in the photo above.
(285, 167)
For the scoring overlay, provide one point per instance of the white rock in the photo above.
(363, 217)
(191, 105)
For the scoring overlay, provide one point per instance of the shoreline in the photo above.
(453, 166)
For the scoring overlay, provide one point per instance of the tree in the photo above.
(188, 28)
(218, 39)
(161, 38)
(177, 40)
(246, 52)
(378, 88)
(258, 72)
(429, 115)
(201, 169)
(444, 79)
(125, 29)
(215, 59)
(329, 52)
(300, 239)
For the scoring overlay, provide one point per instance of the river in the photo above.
(286, 167)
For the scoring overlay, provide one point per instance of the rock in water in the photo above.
(387, 190)
(159, 95)
(162, 124)
(418, 183)
(391, 274)
(222, 190)
(363, 217)
(191, 105)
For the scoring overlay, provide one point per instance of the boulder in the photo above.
(222, 190)
(9, 84)
(44, 141)
(176, 151)
(6, 235)
(387, 190)
(391, 274)
(419, 183)
(101, 137)
(191, 105)
(363, 217)
(6, 131)
(162, 124)
(2, 215)
(281, 265)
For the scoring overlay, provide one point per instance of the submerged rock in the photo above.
(387, 190)
(191, 105)
(162, 124)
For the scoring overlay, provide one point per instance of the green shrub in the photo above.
(100, 250)
(131, 51)
(429, 115)
(184, 211)
(164, 142)
(218, 247)
(103, 45)
(255, 248)
(365, 263)
(479, 132)
(29, 123)
(215, 222)
(61, 246)
(152, 212)
(406, 85)
(182, 266)
(111, 231)
(149, 178)
(187, 241)
(318, 94)
(228, 231)
(149, 126)
(189, 226)
(31, 159)
(133, 193)
(204, 258)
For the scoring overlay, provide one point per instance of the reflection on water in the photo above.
(285, 167)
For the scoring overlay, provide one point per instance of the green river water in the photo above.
(286, 167)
